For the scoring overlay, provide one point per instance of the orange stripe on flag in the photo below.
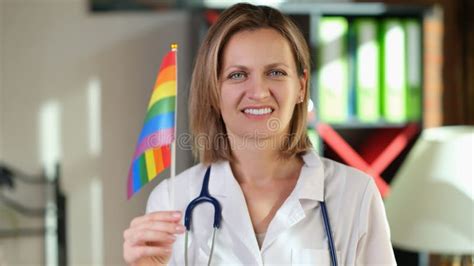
(158, 160)
(167, 74)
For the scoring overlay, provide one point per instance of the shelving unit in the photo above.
(380, 159)
(377, 148)
(53, 213)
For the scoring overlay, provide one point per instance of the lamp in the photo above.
(431, 205)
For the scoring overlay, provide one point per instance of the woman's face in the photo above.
(259, 83)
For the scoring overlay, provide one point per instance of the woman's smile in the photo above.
(258, 113)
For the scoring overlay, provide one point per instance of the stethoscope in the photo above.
(204, 196)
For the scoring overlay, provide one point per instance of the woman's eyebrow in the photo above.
(272, 65)
(241, 67)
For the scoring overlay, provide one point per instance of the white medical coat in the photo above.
(296, 235)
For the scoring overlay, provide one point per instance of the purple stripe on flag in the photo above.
(157, 139)
(130, 183)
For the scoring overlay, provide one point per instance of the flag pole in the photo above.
(174, 48)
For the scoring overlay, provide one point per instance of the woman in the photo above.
(249, 96)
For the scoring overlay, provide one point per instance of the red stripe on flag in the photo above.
(166, 153)
(170, 59)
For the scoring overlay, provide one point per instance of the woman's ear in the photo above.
(303, 83)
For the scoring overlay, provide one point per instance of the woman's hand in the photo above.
(150, 238)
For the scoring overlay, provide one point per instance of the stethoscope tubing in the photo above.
(204, 196)
(327, 228)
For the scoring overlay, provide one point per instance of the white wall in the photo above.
(3, 210)
(75, 89)
(1, 83)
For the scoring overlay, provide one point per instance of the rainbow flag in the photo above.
(152, 153)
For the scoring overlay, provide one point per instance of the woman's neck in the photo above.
(258, 162)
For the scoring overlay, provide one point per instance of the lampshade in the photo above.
(431, 204)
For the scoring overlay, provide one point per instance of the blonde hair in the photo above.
(207, 126)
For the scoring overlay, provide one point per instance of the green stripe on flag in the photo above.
(162, 106)
(143, 172)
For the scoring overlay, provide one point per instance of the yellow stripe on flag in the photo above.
(162, 91)
(150, 164)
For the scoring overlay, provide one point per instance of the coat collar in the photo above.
(311, 181)
(310, 184)
(220, 178)
(224, 186)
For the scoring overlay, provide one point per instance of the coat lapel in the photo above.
(310, 186)
(235, 213)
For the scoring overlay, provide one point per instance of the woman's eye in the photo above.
(277, 73)
(237, 75)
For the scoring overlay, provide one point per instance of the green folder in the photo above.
(315, 140)
(367, 70)
(394, 90)
(333, 72)
(414, 69)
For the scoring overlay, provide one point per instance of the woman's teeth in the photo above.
(262, 111)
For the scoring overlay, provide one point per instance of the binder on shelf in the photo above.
(352, 61)
(394, 90)
(333, 75)
(315, 140)
(367, 82)
(413, 66)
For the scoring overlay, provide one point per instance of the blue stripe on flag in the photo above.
(157, 123)
(136, 175)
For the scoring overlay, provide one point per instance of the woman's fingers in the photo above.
(172, 228)
(151, 237)
(164, 216)
(142, 236)
(162, 232)
(154, 227)
(134, 253)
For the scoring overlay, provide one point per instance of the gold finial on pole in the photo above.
(174, 46)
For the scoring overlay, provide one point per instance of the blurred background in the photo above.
(76, 77)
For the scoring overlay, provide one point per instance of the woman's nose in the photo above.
(258, 89)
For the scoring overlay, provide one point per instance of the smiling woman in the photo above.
(280, 203)
(259, 81)
(248, 49)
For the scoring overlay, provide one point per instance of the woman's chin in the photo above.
(258, 135)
